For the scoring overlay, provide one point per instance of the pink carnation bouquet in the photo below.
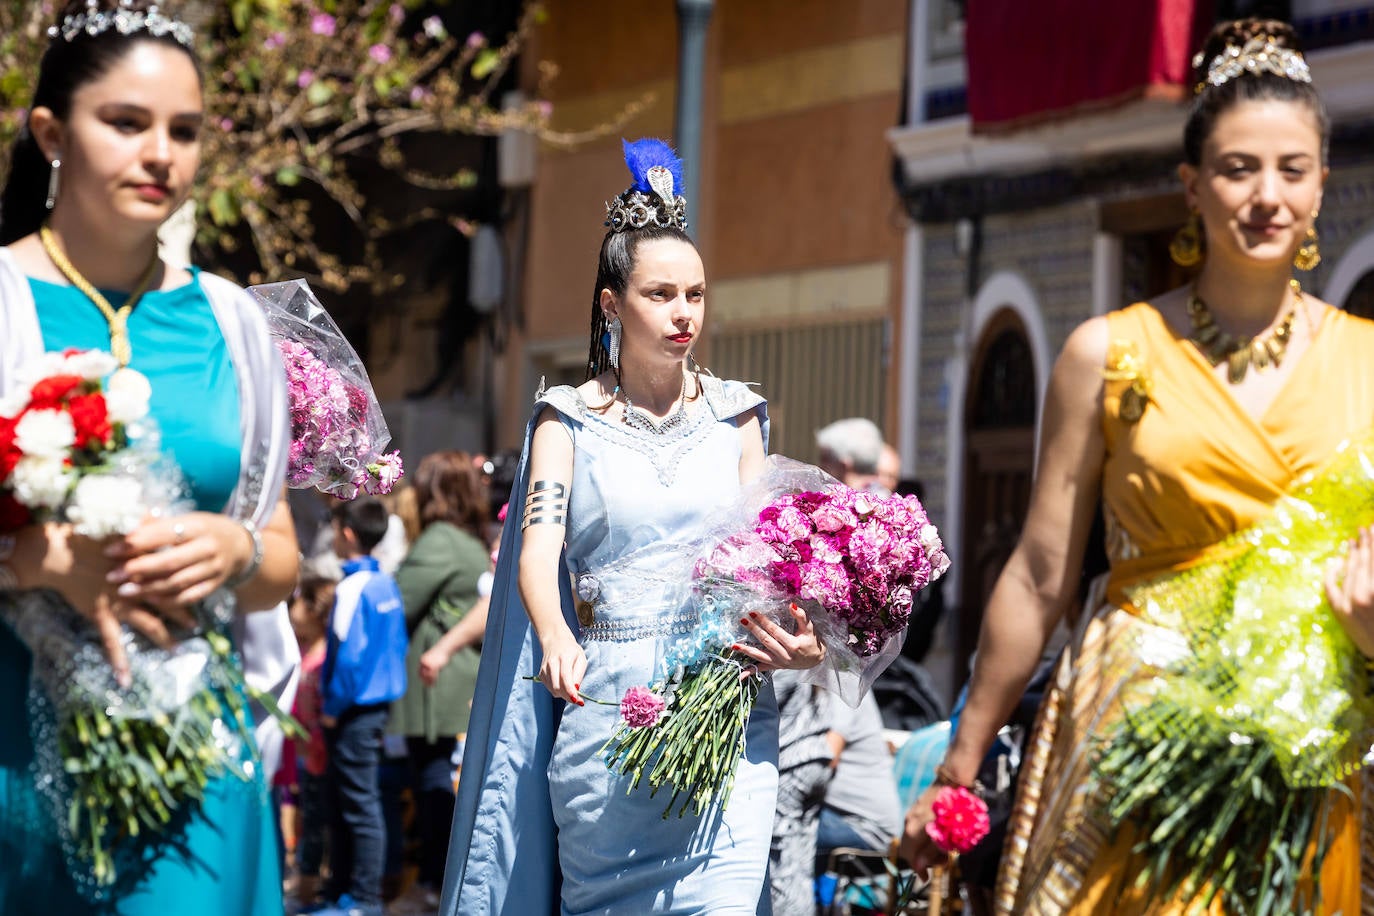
(853, 560)
(338, 433)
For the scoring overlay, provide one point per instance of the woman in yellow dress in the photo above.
(1188, 417)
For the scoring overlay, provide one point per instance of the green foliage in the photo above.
(299, 94)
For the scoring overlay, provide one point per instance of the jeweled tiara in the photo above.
(653, 198)
(1257, 56)
(124, 20)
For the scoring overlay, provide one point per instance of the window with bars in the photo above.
(811, 374)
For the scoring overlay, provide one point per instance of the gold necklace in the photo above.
(118, 319)
(1240, 353)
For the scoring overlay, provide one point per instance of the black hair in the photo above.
(614, 265)
(366, 517)
(66, 67)
(1212, 101)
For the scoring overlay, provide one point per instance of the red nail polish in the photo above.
(754, 614)
(744, 621)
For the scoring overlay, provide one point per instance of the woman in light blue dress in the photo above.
(617, 472)
(111, 150)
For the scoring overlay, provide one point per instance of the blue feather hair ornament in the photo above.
(643, 155)
(654, 198)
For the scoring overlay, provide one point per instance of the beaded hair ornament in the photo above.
(124, 20)
(653, 199)
(1260, 55)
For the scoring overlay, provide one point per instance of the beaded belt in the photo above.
(645, 626)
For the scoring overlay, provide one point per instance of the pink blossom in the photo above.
(322, 24)
(379, 53)
(545, 108)
(385, 472)
(397, 13)
(476, 40)
(961, 820)
(824, 550)
(305, 78)
(794, 524)
(226, 125)
(788, 575)
(434, 27)
(641, 707)
(859, 556)
(274, 41)
(827, 583)
(831, 518)
(418, 94)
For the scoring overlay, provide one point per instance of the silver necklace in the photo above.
(635, 418)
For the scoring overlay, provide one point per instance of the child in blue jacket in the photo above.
(364, 671)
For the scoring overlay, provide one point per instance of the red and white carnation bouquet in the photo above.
(77, 446)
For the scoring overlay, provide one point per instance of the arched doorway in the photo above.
(999, 459)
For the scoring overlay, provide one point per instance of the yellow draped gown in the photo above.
(1191, 469)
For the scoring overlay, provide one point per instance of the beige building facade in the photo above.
(798, 220)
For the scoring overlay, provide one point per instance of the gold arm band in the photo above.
(546, 504)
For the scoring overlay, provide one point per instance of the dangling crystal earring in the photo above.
(613, 348)
(54, 181)
(1309, 253)
(1186, 247)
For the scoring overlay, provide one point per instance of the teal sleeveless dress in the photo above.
(223, 860)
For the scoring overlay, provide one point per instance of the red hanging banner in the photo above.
(1051, 59)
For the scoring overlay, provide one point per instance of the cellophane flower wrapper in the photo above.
(338, 433)
(795, 535)
(1233, 742)
(114, 763)
(117, 765)
(853, 560)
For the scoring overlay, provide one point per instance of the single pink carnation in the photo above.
(385, 472)
(641, 707)
(961, 820)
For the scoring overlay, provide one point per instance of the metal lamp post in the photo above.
(693, 18)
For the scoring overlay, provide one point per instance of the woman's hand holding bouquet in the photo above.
(144, 717)
(804, 573)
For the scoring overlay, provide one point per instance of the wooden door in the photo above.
(999, 458)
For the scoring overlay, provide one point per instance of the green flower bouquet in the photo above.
(1236, 737)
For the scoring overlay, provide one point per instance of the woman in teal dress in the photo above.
(110, 152)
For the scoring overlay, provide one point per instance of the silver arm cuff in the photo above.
(546, 504)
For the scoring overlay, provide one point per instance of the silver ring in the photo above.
(179, 532)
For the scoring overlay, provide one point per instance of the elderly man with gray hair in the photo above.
(850, 450)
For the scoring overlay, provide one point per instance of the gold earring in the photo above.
(1309, 253)
(1186, 247)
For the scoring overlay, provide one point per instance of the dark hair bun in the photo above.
(1236, 33)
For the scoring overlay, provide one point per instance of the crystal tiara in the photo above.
(1257, 56)
(95, 21)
